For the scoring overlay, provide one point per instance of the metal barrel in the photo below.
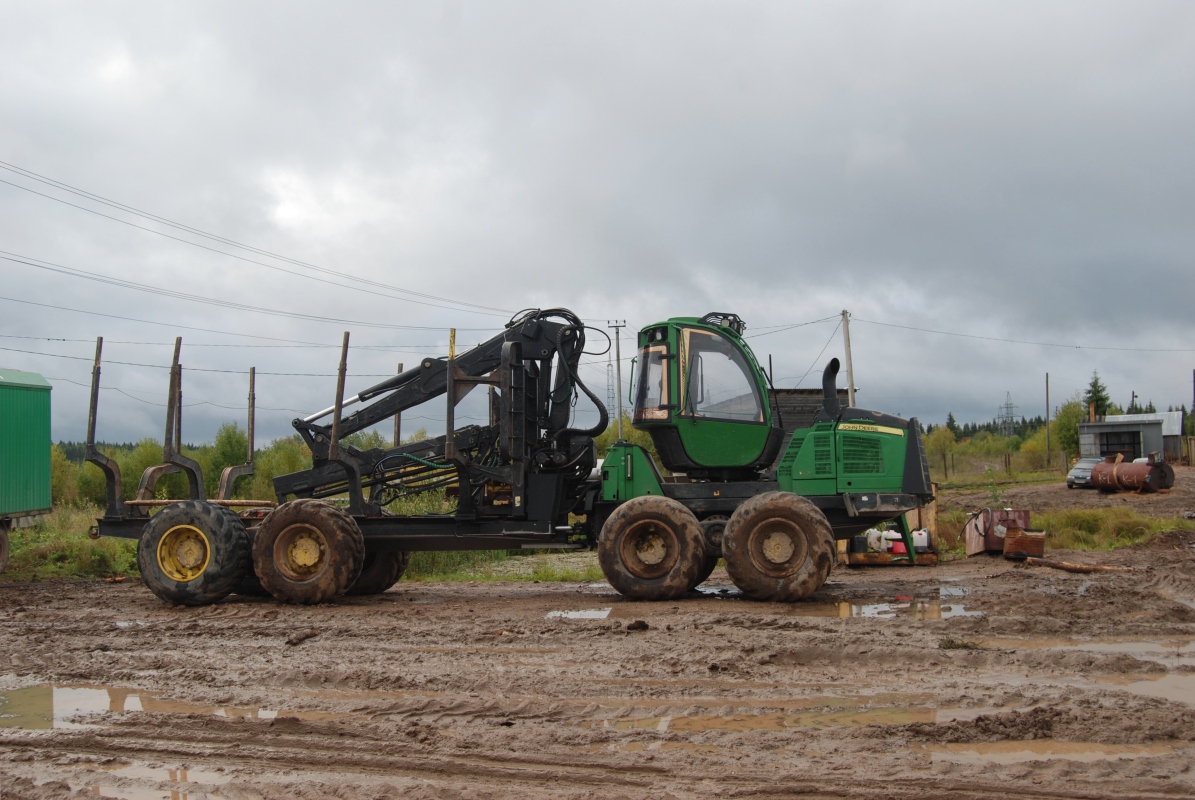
(1126, 476)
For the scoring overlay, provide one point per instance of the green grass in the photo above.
(58, 547)
(453, 565)
(1075, 529)
(502, 565)
(973, 481)
(1102, 529)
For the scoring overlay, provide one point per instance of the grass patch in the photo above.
(976, 481)
(1102, 529)
(547, 570)
(950, 531)
(504, 565)
(453, 565)
(950, 643)
(58, 547)
(1074, 529)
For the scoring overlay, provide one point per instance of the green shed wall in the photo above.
(24, 449)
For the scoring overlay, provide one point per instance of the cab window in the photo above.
(716, 380)
(651, 387)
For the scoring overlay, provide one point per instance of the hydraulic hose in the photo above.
(603, 413)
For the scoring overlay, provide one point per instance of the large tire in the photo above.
(778, 547)
(308, 551)
(712, 529)
(3, 544)
(651, 548)
(193, 553)
(380, 571)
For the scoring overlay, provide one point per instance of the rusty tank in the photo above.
(1115, 475)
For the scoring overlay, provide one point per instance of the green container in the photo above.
(24, 443)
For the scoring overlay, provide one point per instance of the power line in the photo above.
(233, 408)
(163, 405)
(1021, 341)
(482, 309)
(819, 355)
(783, 328)
(297, 346)
(169, 324)
(202, 369)
(140, 287)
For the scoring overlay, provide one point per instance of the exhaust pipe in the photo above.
(830, 389)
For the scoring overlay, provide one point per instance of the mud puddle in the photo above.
(719, 591)
(1177, 687)
(140, 793)
(137, 781)
(817, 718)
(1017, 752)
(914, 609)
(67, 707)
(1167, 652)
(586, 613)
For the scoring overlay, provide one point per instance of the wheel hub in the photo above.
(300, 552)
(183, 553)
(190, 553)
(304, 552)
(778, 547)
(651, 549)
(648, 549)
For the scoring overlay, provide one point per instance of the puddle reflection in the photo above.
(588, 613)
(1172, 686)
(812, 718)
(916, 609)
(59, 707)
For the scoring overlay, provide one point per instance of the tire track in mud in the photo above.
(448, 690)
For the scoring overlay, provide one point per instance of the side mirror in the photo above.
(697, 381)
(631, 383)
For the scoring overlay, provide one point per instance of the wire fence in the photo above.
(973, 467)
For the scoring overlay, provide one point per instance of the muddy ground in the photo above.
(1176, 502)
(977, 678)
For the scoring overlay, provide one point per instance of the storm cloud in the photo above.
(1015, 171)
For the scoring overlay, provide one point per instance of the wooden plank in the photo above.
(1023, 544)
(888, 559)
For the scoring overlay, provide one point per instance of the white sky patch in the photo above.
(116, 68)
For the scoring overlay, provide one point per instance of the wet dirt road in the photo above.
(977, 678)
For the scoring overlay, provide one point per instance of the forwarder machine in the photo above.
(529, 480)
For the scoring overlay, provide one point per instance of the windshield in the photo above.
(651, 386)
(717, 381)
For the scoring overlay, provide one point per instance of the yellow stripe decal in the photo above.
(854, 426)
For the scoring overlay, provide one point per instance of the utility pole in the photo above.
(850, 369)
(618, 325)
(1047, 419)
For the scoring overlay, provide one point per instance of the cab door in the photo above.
(721, 417)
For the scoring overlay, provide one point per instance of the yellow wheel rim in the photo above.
(300, 552)
(184, 553)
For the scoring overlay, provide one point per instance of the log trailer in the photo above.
(529, 480)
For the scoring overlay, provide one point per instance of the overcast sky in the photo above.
(1016, 171)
